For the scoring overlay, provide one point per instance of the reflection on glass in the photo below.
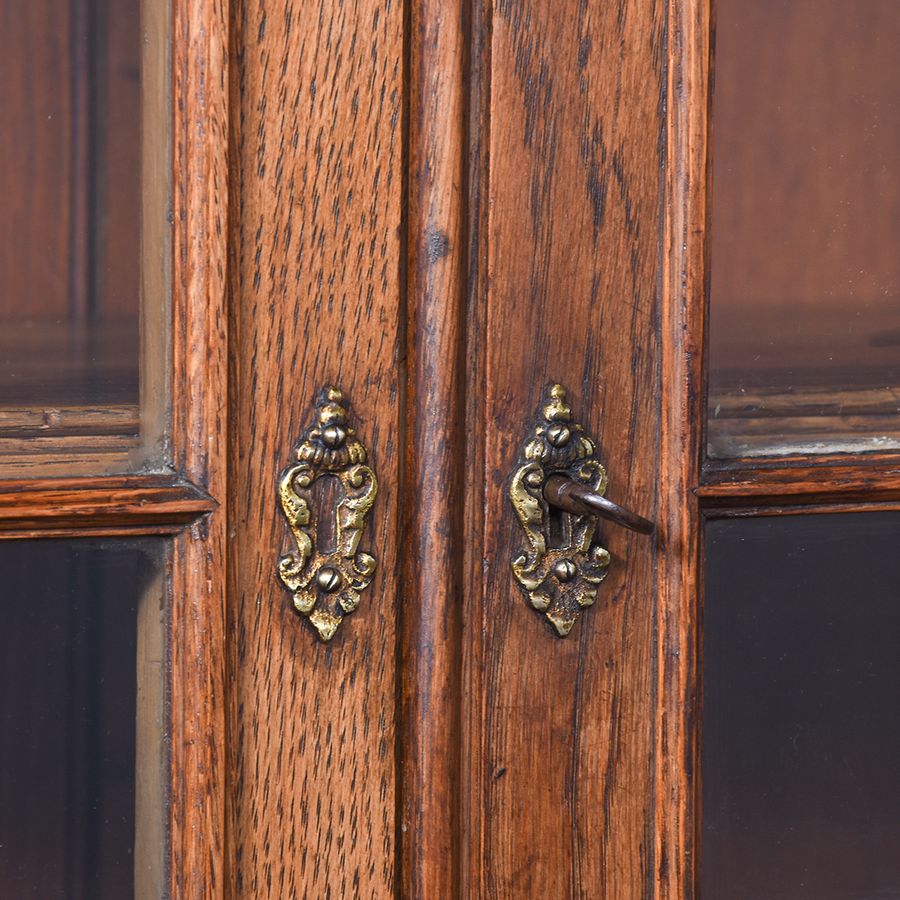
(805, 228)
(80, 719)
(801, 731)
(70, 182)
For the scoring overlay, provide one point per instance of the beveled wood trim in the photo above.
(715, 470)
(681, 446)
(781, 484)
(66, 457)
(158, 180)
(196, 652)
(472, 813)
(432, 503)
(766, 423)
(133, 505)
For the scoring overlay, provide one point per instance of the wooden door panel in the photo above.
(316, 301)
(562, 729)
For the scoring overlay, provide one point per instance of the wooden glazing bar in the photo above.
(848, 480)
(133, 504)
(196, 651)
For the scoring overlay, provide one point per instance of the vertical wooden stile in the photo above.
(199, 419)
(316, 297)
(683, 322)
(435, 478)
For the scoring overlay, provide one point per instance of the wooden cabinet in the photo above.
(440, 209)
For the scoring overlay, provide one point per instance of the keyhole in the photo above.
(557, 527)
(327, 492)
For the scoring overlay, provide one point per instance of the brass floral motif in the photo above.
(325, 583)
(560, 571)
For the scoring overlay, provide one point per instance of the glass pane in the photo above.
(71, 164)
(805, 230)
(801, 722)
(81, 719)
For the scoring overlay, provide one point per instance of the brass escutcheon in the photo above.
(560, 576)
(325, 584)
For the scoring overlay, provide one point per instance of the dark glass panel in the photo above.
(70, 233)
(801, 708)
(805, 228)
(80, 680)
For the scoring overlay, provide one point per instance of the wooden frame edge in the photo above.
(769, 507)
(683, 324)
(196, 652)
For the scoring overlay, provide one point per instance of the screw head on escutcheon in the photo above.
(565, 570)
(328, 579)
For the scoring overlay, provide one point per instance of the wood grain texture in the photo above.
(195, 690)
(140, 504)
(435, 459)
(317, 242)
(560, 732)
(681, 435)
(477, 286)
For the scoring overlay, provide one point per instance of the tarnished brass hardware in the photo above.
(325, 583)
(573, 497)
(560, 568)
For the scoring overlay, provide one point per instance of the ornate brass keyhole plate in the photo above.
(559, 572)
(326, 584)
